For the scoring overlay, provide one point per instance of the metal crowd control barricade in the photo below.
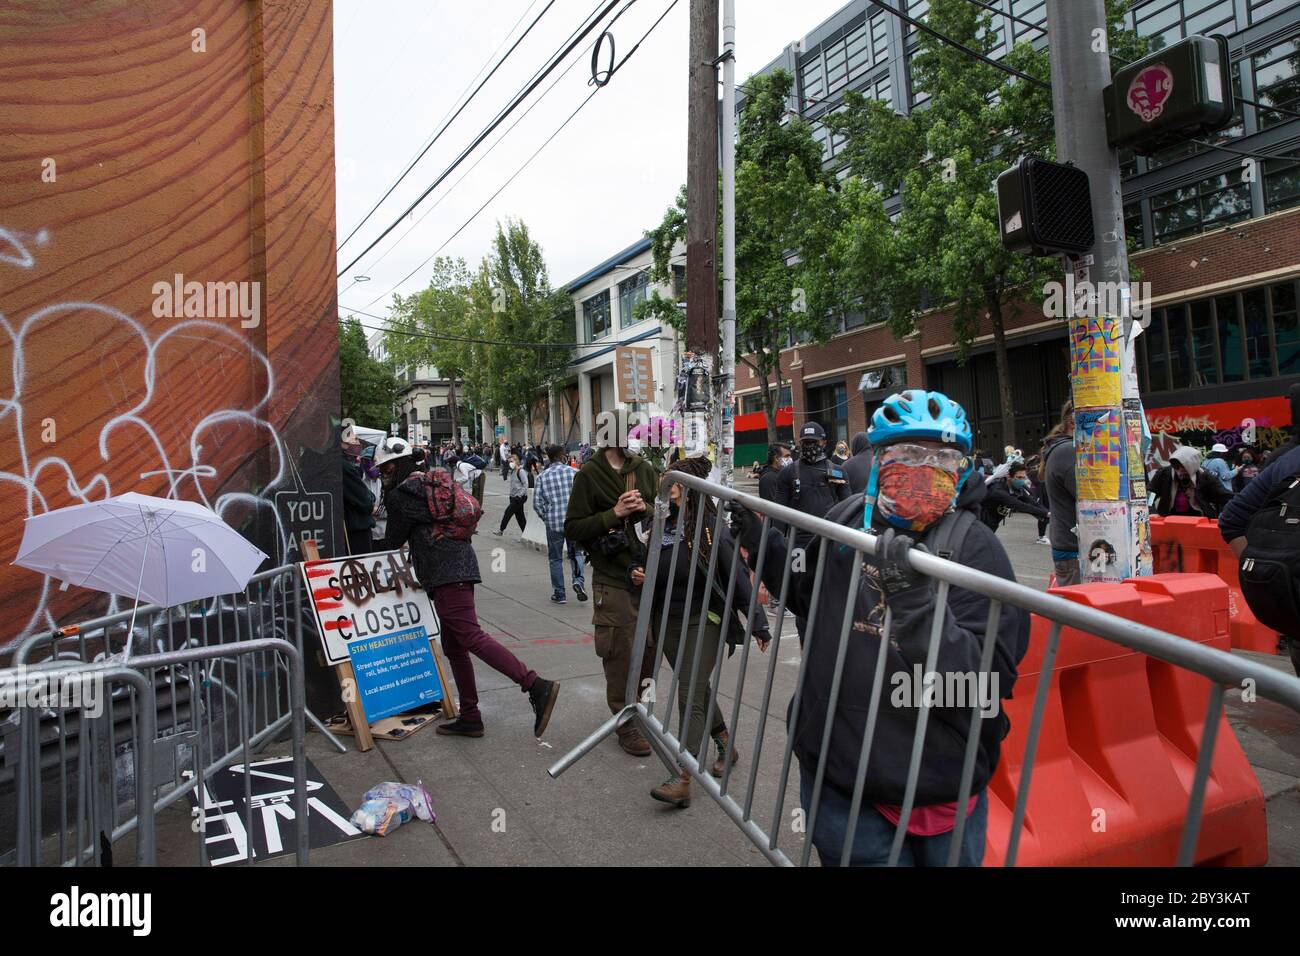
(93, 757)
(225, 678)
(1221, 669)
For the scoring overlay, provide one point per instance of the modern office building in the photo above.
(1220, 243)
(423, 402)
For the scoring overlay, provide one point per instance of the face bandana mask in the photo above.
(913, 497)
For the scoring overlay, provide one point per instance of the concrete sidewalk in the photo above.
(496, 805)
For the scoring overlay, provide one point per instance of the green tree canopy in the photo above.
(367, 387)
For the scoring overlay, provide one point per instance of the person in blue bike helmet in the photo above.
(919, 496)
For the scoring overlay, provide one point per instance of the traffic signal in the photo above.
(1045, 208)
(1171, 96)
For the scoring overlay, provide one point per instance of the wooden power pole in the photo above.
(702, 185)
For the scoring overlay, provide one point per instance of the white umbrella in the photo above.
(167, 552)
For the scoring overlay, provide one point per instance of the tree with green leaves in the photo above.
(787, 220)
(528, 322)
(944, 249)
(429, 327)
(367, 386)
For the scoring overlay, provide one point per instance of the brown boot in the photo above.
(632, 741)
(675, 790)
(720, 764)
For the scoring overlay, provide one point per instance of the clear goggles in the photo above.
(949, 459)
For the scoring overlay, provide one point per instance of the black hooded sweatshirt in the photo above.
(858, 468)
(959, 652)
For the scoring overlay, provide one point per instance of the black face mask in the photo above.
(811, 452)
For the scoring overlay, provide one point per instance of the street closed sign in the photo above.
(364, 597)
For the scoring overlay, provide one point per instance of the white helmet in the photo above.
(391, 448)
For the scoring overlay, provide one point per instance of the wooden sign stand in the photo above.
(388, 728)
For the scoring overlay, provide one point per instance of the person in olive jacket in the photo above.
(610, 491)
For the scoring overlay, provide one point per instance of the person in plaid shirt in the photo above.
(551, 501)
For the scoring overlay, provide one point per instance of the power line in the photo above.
(614, 69)
(443, 337)
(448, 123)
(452, 188)
(497, 121)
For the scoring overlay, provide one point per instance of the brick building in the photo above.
(1220, 246)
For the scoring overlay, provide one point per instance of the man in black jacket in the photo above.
(858, 468)
(812, 484)
(1011, 493)
(920, 486)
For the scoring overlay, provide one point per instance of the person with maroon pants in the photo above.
(448, 570)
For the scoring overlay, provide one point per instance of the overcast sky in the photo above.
(402, 66)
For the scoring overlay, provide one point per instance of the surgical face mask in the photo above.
(782, 462)
(1020, 482)
(913, 497)
(1247, 462)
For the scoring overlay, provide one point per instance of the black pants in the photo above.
(1042, 526)
(515, 508)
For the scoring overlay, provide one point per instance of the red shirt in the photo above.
(928, 821)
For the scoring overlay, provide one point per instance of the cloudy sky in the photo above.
(401, 67)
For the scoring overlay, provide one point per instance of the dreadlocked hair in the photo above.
(700, 468)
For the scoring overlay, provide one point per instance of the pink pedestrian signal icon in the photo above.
(1150, 90)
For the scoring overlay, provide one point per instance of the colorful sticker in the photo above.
(1105, 544)
(1095, 351)
(1099, 453)
(1140, 523)
(1135, 462)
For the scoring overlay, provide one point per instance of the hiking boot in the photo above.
(580, 591)
(720, 765)
(542, 698)
(675, 790)
(634, 743)
(461, 728)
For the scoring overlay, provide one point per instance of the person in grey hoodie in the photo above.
(1056, 475)
(518, 497)
(1183, 487)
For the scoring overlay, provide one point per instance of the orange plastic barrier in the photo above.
(1119, 741)
(1185, 544)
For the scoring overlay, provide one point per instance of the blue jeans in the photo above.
(555, 554)
(875, 834)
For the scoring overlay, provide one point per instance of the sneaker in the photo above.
(461, 728)
(1044, 540)
(580, 591)
(559, 599)
(542, 698)
(497, 534)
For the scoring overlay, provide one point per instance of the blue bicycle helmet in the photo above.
(916, 414)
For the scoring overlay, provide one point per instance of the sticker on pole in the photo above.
(1150, 90)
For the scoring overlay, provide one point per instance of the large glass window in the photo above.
(1231, 347)
(813, 80)
(1259, 9)
(879, 37)
(1277, 81)
(1282, 182)
(1286, 329)
(1259, 343)
(754, 403)
(1169, 22)
(1157, 352)
(1211, 203)
(1205, 366)
(630, 292)
(595, 314)
(1180, 366)
(1133, 223)
(1031, 11)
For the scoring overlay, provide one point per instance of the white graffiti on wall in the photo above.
(87, 480)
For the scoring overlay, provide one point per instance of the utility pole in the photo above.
(701, 214)
(727, 376)
(1110, 437)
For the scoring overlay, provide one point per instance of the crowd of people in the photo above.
(914, 479)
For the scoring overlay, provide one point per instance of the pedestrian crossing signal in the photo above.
(1176, 94)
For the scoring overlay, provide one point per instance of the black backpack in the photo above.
(1270, 564)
